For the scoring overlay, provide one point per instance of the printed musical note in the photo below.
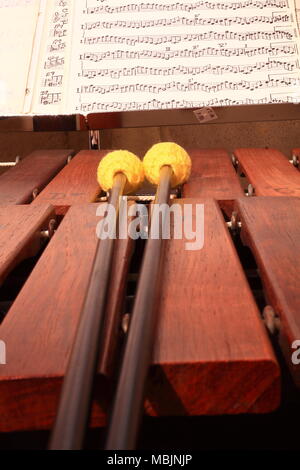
(190, 6)
(117, 56)
(191, 85)
(96, 106)
(55, 49)
(178, 21)
(50, 98)
(53, 80)
(207, 45)
(244, 69)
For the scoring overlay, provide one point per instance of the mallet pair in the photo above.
(121, 172)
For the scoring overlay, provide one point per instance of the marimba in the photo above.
(212, 354)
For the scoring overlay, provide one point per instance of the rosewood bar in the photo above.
(270, 227)
(213, 176)
(75, 184)
(30, 175)
(269, 172)
(39, 328)
(212, 355)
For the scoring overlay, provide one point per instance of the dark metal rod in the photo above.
(129, 398)
(76, 396)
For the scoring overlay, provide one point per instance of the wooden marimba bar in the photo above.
(212, 353)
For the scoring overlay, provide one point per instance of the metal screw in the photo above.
(35, 193)
(234, 223)
(295, 161)
(234, 161)
(271, 320)
(125, 323)
(48, 234)
(251, 191)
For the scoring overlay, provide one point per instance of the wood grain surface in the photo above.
(75, 184)
(40, 327)
(212, 355)
(20, 238)
(213, 176)
(269, 172)
(32, 173)
(271, 229)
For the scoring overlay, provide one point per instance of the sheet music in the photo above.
(17, 31)
(141, 55)
(297, 2)
(53, 63)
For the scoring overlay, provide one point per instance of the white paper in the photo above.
(297, 3)
(141, 55)
(53, 63)
(117, 55)
(18, 19)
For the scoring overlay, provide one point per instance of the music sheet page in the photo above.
(140, 55)
(18, 21)
(298, 12)
(54, 58)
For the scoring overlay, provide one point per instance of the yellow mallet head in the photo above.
(167, 153)
(120, 161)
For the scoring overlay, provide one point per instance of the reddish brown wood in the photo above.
(32, 173)
(116, 290)
(272, 231)
(101, 121)
(269, 172)
(40, 327)
(75, 184)
(212, 354)
(213, 176)
(20, 228)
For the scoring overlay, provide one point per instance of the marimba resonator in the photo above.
(219, 308)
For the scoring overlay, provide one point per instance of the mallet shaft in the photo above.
(129, 396)
(75, 402)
